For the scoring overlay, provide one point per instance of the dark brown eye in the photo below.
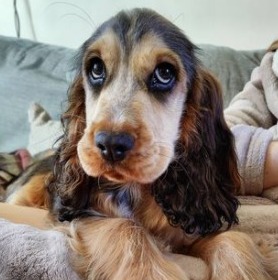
(97, 72)
(163, 77)
(164, 73)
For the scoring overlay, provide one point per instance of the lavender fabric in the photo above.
(27, 253)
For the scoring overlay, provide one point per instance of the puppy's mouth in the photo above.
(121, 160)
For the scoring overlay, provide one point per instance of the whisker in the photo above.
(78, 16)
(164, 143)
(89, 18)
(177, 17)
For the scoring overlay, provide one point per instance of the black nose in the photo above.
(114, 146)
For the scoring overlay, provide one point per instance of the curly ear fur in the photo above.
(69, 186)
(197, 191)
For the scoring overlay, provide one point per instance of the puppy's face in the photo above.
(135, 86)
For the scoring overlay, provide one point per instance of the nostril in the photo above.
(101, 146)
(102, 143)
(114, 146)
(120, 149)
(122, 142)
(105, 151)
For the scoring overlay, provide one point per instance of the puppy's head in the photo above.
(143, 110)
(136, 72)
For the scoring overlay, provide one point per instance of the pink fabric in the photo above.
(24, 158)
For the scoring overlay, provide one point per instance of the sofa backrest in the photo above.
(35, 72)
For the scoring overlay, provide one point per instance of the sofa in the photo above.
(34, 78)
(32, 72)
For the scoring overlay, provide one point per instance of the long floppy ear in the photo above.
(69, 186)
(197, 191)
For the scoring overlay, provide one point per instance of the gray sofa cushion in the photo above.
(35, 72)
(233, 68)
(29, 72)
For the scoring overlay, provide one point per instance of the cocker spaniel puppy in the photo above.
(146, 165)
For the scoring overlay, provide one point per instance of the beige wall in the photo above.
(241, 24)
